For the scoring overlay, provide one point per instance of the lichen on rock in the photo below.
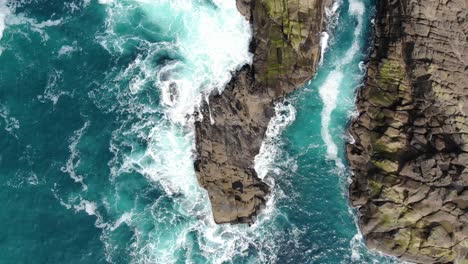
(410, 156)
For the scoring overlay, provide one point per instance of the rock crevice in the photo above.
(410, 156)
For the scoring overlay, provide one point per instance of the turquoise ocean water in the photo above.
(96, 157)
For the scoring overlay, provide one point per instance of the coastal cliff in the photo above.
(285, 45)
(410, 155)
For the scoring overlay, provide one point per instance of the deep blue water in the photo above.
(96, 157)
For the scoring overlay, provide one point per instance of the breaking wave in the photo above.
(207, 42)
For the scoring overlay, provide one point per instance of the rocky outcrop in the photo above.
(410, 155)
(286, 50)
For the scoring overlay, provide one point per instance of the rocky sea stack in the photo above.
(410, 156)
(285, 44)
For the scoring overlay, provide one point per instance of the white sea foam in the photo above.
(10, 123)
(125, 218)
(4, 12)
(329, 91)
(87, 206)
(220, 243)
(52, 92)
(323, 45)
(47, 23)
(77, 203)
(167, 156)
(32, 178)
(36, 26)
(91, 208)
(74, 160)
(57, 196)
(224, 35)
(332, 17)
(67, 50)
(9, 18)
(213, 42)
(168, 161)
(285, 114)
(356, 8)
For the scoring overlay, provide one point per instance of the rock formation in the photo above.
(286, 50)
(410, 155)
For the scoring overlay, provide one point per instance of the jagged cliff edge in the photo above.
(286, 48)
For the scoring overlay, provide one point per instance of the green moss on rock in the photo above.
(375, 187)
(276, 9)
(392, 84)
(400, 241)
(286, 14)
(386, 165)
(382, 98)
(391, 73)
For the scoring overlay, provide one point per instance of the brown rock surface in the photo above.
(410, 156)
(286, 50)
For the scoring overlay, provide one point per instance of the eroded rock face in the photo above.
(410, 158)
(286, 50)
